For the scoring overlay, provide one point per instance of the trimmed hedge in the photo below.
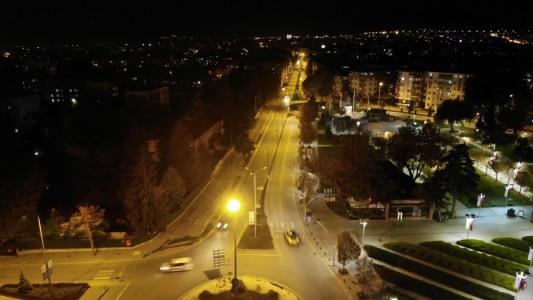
(517, 244)
(415, 285)
(496, 250)
(528, 239)
(454, 264)
(453, 281)
(472, 256)
(62, 291)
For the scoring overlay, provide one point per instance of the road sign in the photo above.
(219, 259)
(251, 218)
(44, 270)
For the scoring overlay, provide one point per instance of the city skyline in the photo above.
(66, 21)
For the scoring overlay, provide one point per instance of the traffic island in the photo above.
(249, 288)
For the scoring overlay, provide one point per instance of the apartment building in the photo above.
(410, 88)
(443, 86)
(365, 85)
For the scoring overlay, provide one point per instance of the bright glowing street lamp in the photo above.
(233, 206)
(469, 223)
(363, 221)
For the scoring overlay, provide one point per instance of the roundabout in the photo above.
(247, 285)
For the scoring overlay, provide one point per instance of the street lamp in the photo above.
(363, 221)
(520, 282)
(255, 198)
(469, 223)
(233, 206)
(379, 100)
(47, 264)
(508, 188)
(358, 123)
(331, 242)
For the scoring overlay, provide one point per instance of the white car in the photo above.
(177, 265)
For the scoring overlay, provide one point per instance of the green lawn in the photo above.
(494, 193)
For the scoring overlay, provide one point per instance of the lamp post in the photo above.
(255, 198)
(508, 188)
(379, 100)
(233, 206)
(333, 245)
(520, 282)
(47, 269)
(363, 221)
(469, 223)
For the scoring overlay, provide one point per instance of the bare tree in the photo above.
(365, 269)
(87, 219)
(347, 249)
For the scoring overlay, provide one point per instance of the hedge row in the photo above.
(453, 281)
(415, 285)
(454, 264)
(472, 256)
(517, 244)
(496, 250)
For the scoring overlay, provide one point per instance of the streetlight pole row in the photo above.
(330, 240)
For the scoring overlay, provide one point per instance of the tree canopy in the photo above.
(414, 148)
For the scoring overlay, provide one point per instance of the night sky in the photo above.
(24, 21)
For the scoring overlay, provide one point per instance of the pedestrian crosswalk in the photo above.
(104, 274)
(281, 225)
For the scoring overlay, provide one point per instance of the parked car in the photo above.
(177, 265)
(292, 237)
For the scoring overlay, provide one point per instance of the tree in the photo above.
(458, 177)
(87, 219)
(365, 269)
(347, 249)
(244, 146)
(169, 196)
(453, 111)
(21, 186)
(523, 149)
(499, 163)
(525, 178)
(412, 149)
(173, 188)
(24, 284)
(308, 112)
(502, 98)
(433, 190)
(140, 191)
(319, 83)
(481, 156)
(308, 134)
